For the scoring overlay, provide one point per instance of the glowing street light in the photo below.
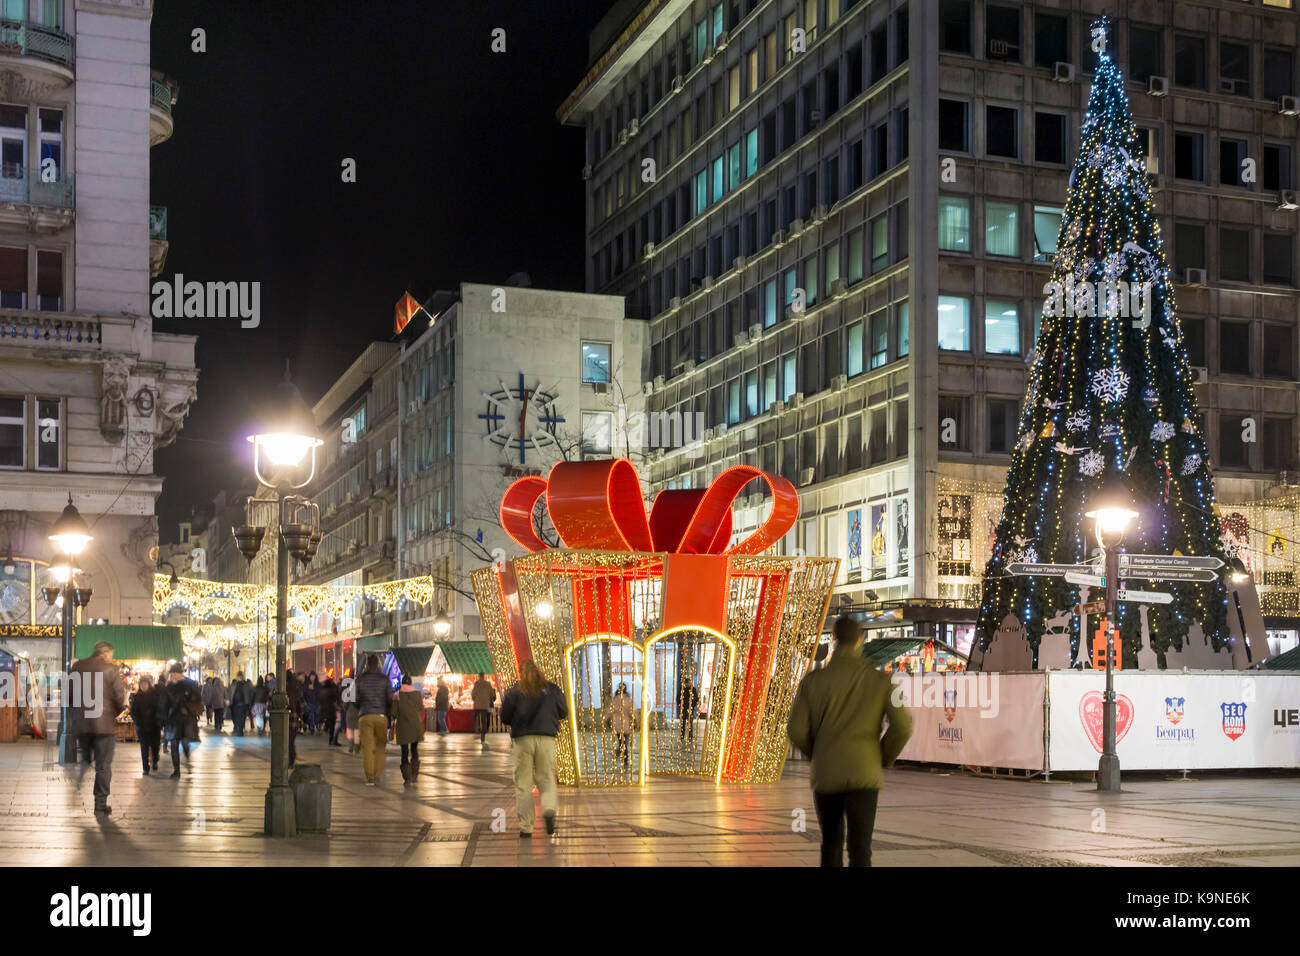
(70, 535)
(442, 623)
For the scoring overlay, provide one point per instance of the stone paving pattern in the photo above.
(212, 816)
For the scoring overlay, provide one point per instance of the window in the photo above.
(751, 394)
(900, 429)
(1232, 450)
(853, 449)
(1231, 154)
(1234, 68)
(733, 401)
(13, 278)
(769, 304)
(597, 433)
(1194, 341)
(1189, 153)
(879, 243)
(878, 435)
(1047, 229)
(1051, 39)
(853, 341)
(52, 14)
(954, 224)
(879, 149)
(832, 265)
(1234, 348)
(719, 181)
(1002, 31)
(1234, 255)
(788, 38)
(1189, 247)
(879, 338)
(789, 381)
(1049, 138)
(954, 323)
(769, 384)
(1146, 53)
(1278, 255)
(701, 191)
(595, 362)
(1003, 415)
(954, 422)
(1001, 228)
(901, 331)
(1279, 74)
(853, 72)
(953, 127)
(856, 268)
(49, 281)
(1277, 168)
(1001, 327)
(810, 280)
(13, 432)
(1279, 351)
(1189, 61)
(1277, 446)
(1000, 131)
(954, 26)
(50, 131)
(879, 54)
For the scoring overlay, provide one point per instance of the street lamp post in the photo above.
(71, 535)
(1112, 514)
(285, 443)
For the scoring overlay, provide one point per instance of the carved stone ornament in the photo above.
(141, 543)
(172, 409)
(112, 399)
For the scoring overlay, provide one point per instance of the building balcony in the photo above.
(50, 329)
(37, 55)
(162, 97)
(27, 200)
(157, 239)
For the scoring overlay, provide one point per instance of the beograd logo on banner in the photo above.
(1171, 729)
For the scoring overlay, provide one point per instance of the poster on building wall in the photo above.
(954, 531)
(1236, 537)
(879, 540)
(854, 521)
(902, 536)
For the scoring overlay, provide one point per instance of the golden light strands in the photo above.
(227, 601)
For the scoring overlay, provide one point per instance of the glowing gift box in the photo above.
(646, 601)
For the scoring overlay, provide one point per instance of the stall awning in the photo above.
(1288, 661)
(466, 657)
(413, 661)
(374, 644)
(880, 652)
(131, 642)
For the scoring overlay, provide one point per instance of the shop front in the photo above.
(458, 664)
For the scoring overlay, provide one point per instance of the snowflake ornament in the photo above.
(1110, 384)
(1162, 431)
(1113, 268)
(1191, 463)
(1114, 175)
(1079, 421)
(1098, 156)
(1073, 231)
(1024, 556)
(1091, 464)
(1083, 268)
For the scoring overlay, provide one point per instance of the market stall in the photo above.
(137, 650)
(458, 664)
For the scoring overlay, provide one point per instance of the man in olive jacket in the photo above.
(837, 721)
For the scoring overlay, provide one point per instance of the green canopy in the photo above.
(131, 642)
(883, 650)
(374, 644)
(413, 661)
(466, 657)
(1288, 661)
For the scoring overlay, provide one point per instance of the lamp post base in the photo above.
(281, 816)
(67, 748)
(1108, 773)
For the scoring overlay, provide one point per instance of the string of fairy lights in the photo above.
(1108, 390)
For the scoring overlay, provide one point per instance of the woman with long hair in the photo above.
(311, 701)
(533, 709)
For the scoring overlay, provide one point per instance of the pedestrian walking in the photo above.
(622, 721)
(329, 709)
(241, 702)
(261, 696)
(144, 712)
(294, 690)
(311, 702)
(836, 720)
(483, 695)
(179, 707)
(533, 708)
(207, 699)
(93, 716)
(348, 698)
(374, 708)
(218, 705)
(689, 699)
(442, 701)
(410, 727)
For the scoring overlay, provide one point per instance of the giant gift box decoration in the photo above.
(648, 601)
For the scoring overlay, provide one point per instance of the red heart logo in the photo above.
(1092, 714)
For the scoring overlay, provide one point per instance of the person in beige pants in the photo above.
(533, 709)
(375, 702)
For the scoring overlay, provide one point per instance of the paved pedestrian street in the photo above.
(212, 816)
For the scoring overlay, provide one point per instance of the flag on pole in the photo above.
(404, 312)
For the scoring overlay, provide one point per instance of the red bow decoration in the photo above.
(597, 505)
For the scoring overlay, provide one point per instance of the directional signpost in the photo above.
(1092, 607)
(1166, 561)
(1050, 570)
(1148, 573)
(1091, 580)
(1146, 597)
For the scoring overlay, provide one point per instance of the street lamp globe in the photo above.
(1112, 513)
(70, 532)
(442, 624)
(286, 435)
(1237, 571)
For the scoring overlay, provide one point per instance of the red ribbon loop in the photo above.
(597, 505)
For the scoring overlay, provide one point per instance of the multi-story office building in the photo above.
(88, 390)
(769, 185)
(504, 381)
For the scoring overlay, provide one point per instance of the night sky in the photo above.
(463, 175)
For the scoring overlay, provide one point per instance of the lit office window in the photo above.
(595, 362)
(1001, 327)
(954, 323)
(954, 224)
(1001, 228)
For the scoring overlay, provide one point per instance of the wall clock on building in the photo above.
(518, 419)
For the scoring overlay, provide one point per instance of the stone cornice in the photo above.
(140, 9)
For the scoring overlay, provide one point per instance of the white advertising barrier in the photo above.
(1176, 721)
(978, 720)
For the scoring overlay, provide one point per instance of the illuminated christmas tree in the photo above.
(1110, 393)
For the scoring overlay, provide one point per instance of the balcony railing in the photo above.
(53, 329)
(158, 223)
(32, 39)
(161, 96)
(17, 186)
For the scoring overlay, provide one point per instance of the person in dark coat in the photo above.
(443, 702)
(533, 709)
(311, 702)
(329, 710)
(241, 701)
(144, 711)
(179, 707)
(297, 706)
(261, 699)
(100, 695)
(410, 727)
(690, 704)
